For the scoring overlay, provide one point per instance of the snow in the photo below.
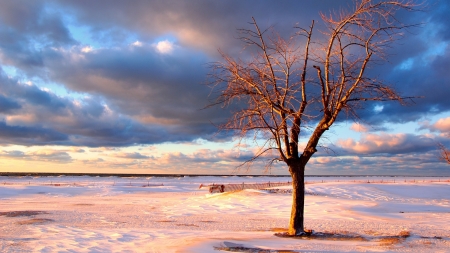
(164, 214)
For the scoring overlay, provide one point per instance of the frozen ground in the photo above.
(93, 214)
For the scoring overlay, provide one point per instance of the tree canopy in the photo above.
(307, 80)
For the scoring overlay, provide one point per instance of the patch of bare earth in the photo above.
(33, 221)
(347, 236)
(332, 236)
(393, 240)
(21, 213)
(251, 250)
(233, 247)
(186, 225)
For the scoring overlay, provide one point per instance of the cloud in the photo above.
(139, 82)
(200, 25)
(137, 43)
(357, 127)
(8, 105)
(27, 28)
(442, 125)
(76, 150)
(86, 49)
(13, 154)
(25, 135)
(385, 143)
(45, 155)
(37, 116)
(134, 155)
(140, 93)
(397, 164)
(164, 47)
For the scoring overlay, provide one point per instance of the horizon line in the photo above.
(188, 174)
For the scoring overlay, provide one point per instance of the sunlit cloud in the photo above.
(387, 143)
(77, 150)
(137, 43)
(164, 47)
(86, 49)
(442, 125)
(378, 108)
(358, 127)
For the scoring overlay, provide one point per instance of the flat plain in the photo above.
(165, 214)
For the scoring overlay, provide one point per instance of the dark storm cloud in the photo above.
(137, 95)
(205, 25)
(441, 18)
(154, 89)
(140, 80)
(417, 67)
(35, 135)
(34, 21)
(8, 105)
(26, 28)
(43, 118)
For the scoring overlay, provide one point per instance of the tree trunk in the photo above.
(297, 171)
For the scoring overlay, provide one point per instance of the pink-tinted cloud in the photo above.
(357, 127)
(442, 125)
(387, 143)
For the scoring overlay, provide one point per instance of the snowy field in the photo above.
(111, 214)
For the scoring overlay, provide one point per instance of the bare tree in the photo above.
(445, 153)
(305, 81)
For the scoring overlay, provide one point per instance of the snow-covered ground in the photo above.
(111, 214)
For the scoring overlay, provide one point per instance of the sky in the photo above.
(120, 87)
